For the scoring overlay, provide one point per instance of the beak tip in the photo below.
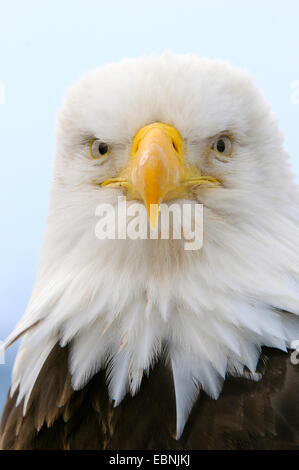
(153, 211)
(153, 224)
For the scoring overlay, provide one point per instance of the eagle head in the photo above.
(158, 131)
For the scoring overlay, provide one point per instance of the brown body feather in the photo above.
(248, 415)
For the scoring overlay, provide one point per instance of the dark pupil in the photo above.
(103, 148)
(221, 145)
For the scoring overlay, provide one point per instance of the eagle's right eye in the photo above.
(223, 145)
(98, 149)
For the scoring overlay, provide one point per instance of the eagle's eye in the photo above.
(98, 149)
(223, 145)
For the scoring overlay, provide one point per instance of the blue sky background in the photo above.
(45, 45)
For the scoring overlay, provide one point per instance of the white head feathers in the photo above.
(125, 302)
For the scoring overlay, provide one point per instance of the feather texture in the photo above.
(247, 415)
(122, 305)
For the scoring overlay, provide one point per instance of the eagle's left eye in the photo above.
(98, 148)
(223, 145)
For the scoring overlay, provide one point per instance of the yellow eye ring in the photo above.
(98, 149)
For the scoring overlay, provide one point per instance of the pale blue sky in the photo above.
(45, 45)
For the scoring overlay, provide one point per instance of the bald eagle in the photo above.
(139, 343)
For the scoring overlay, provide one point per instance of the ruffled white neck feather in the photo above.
(124, 304)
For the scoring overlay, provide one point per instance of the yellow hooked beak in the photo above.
(157, 171)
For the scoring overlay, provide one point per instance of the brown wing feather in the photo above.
(248, 415)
